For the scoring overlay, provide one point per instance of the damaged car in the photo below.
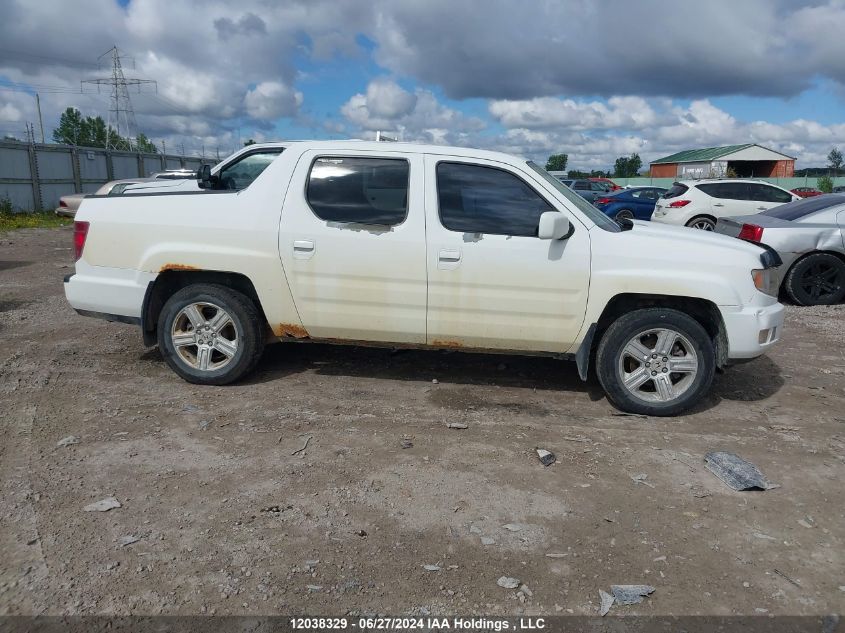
(809, 236)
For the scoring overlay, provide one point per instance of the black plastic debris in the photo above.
(547, 458)
(736, 472)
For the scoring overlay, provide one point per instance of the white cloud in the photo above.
(270, 100)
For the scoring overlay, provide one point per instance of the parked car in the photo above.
(464, 249)
(612, 186)
(699, 203)
(588, 189)
(809, 237)
(839, 189)
(69, 205)
(806, 192)
(635, 203)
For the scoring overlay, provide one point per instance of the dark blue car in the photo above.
(635, 203)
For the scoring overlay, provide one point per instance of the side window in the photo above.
(765, 193)
(240, 175)
(726, 190)
(359, 190)
(581, 185)
(641, 193)
(477, 199)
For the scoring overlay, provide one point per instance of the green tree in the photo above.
(627, 167)
(557, 162)
(835, 160)
(825, 184)
(249, 142)
(71, 128)
(576, 174)
(143, 144)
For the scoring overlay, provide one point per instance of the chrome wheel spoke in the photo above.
(683, 365)
(226, 347)
(637, 350)
(203, 357)
(637, 378)
(219, 321)
(183, 338)
(664, 386)
(665, 342)
(194, 315)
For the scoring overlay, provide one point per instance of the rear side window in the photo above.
(765, 193)
(478, 199)
(359, 190)
(676, 190)
(726, 190)
(802, 208)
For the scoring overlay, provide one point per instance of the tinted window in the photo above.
(241, 174)
(581, 185)
(359, 190)
(802, 208)
(645, 194)
(476, 199)
(726, 190)
(765, 193)
(677, 190)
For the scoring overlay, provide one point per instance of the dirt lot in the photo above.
(229, 520)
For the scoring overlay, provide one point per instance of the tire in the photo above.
(692, 353)
(703, 223)
(210, 334)
(626, 214)
(817, 279)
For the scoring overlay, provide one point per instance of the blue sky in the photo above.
(577, 77)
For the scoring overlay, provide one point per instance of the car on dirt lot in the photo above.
(699, 203)
(405, 245)
(809, 237)
(633, 203)
(806, 192)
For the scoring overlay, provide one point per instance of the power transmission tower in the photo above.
(121, 113)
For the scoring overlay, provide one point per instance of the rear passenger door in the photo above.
(765, 196)
(493, 284)
(352, 241)
(729, 198)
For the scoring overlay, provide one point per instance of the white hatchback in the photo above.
(699, 203)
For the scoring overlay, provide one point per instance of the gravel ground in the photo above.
(386, 510)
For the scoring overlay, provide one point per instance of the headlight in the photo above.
(765, 281)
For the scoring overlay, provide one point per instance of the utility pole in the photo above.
(40, 119)
(163, 147)
(120, 110)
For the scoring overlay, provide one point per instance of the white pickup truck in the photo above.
(422, 246)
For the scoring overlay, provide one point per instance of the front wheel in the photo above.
(655, 361)
(210, 334)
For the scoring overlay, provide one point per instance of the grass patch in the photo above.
(10, 221)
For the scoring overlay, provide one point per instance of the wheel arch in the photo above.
(699, 216)
(704, 311)
(171, 281)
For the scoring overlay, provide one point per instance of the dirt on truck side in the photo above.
(331, 482)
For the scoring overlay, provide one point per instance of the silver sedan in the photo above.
(809, 236)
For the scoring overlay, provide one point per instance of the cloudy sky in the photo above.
(592, 78)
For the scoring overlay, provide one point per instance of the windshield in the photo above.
(599, 218)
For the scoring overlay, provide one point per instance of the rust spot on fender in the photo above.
(290, 330)
(177, 267)
(447, 343)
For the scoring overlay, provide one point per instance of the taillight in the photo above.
(677, 204)
(62, 203)
(80, 232)
(751, 232)
(604, 201)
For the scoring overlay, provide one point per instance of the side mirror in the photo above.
(553, 226)
(204, 177)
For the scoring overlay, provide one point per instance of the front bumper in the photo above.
(752, 329)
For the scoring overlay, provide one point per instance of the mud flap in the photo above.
(582, 357)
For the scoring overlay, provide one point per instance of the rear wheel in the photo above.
(210, 334)
(655, 361)
(625, 214)
(818, 279)
(702, 222)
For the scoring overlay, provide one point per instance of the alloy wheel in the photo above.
(658, 365)
(204, 336)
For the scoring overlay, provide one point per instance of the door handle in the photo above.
(718, 204)
(303, 249)
(762, 208)
(448, 259)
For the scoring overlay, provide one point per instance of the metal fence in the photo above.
(35, 176)
(786, 183)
